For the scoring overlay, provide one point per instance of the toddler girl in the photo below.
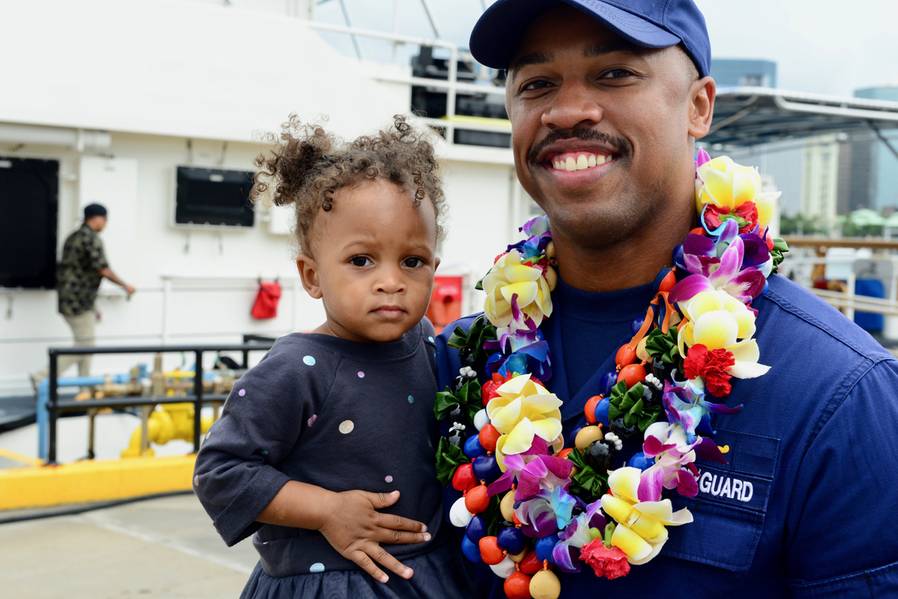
(324, 450)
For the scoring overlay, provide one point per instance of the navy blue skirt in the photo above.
(438, 574)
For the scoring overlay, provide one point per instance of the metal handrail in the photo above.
(55, 407)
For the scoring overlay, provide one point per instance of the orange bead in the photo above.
(668, 282)
(477, 499)
(488, 436)
(589, 410)
(625, 355)
(517, 586)
(490, 552)
(632, 374)
(697, 231)
(564, 453)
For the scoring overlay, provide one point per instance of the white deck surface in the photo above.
(155, 548)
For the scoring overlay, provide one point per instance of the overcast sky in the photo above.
(822, 46)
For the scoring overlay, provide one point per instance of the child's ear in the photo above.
(308, 274)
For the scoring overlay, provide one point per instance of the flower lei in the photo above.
(530, 504)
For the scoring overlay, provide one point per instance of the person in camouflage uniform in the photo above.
(80, 272)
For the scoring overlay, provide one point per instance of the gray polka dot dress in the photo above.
(341, 415)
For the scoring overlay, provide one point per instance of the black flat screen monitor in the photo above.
(29, 204)
(213, 197)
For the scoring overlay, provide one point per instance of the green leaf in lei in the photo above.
(586, 483)
(470, 344)
(629, 405)
(779, 251)
(449, 457)
(663, 346)
(465, 397)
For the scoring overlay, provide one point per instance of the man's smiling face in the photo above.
(602, 130)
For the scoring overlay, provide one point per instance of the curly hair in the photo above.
(308, 165)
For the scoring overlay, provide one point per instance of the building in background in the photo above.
(744, 72)
(882, 175)
(820, 180)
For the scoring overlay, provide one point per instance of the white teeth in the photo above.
(581, 162)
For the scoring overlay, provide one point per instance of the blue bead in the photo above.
(486, 468)
(639, 460)
(602, 411)
(544, 547)
(608, 381)
(476, 529)
(470, 550)
(472, 447)
(511, 539)
(636, 325)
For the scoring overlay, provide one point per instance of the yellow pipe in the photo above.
(172, 421)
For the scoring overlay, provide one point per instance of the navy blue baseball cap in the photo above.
(647, 23)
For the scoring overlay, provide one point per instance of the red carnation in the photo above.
(711, 366)
(607, 562)
(746, 213)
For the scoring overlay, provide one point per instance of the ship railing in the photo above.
(845, 271)
(451, 85)
(50, 407)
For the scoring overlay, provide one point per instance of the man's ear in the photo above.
(702, 94)
(308, 274)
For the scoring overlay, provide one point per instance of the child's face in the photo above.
(373, 264)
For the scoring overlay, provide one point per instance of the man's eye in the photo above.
(616, 74)
(535, 85)
(360, 261)
(413, 262)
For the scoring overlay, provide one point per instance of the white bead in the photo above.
(504, 568)
(481, 419)
(459, 514)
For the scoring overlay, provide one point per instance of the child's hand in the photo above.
(356, 529)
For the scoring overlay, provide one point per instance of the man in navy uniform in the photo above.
(806, 504)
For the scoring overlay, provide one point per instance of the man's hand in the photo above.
(129, 289)
(356, 530)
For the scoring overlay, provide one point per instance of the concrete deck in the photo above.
(155, 548)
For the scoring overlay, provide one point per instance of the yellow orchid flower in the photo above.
(523, 409)
(717, 320)
(641, 525)
(728, 185)
(508, 278)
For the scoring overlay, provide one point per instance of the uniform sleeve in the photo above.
(845, 502)
(237, 474)
(95, 255)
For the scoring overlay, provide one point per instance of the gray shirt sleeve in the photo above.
(236, 474)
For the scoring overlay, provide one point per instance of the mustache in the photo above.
(620, 145)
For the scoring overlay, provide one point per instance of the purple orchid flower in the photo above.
(534, 472)
(538, 237)
(688, 409)
(701, 157)
(537, 517)
(580, 531)
(724, 271)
